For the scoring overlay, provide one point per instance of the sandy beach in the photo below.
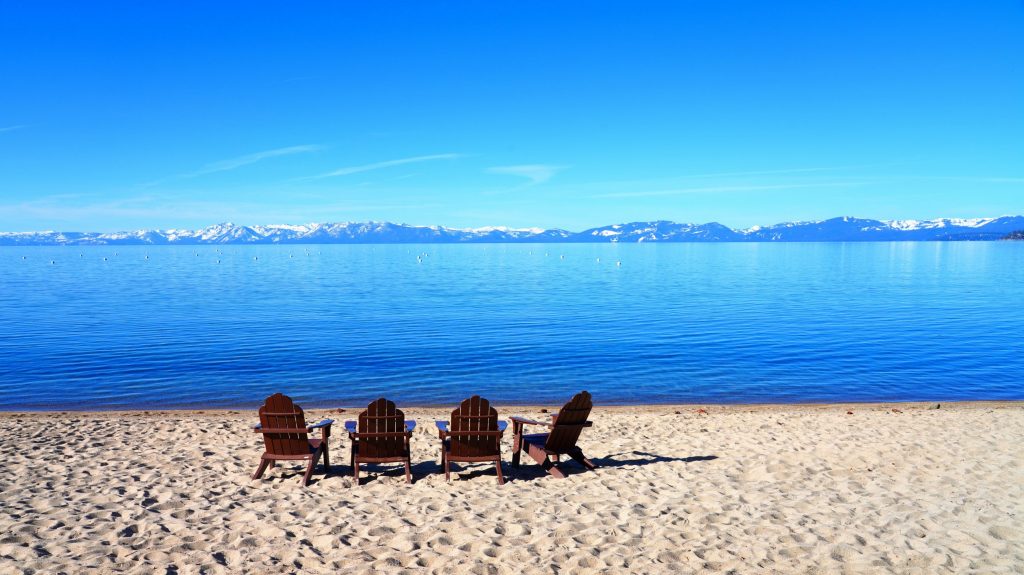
(902, 488)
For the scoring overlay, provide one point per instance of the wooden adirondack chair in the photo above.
(473, 435)
(381, 436)
(286, 436)
(563, 432)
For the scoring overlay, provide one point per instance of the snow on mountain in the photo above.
(939, 223)
(835, 229)
(659, 231)
(858, 229)
(503, 229)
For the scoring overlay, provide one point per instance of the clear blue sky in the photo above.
(551, 114)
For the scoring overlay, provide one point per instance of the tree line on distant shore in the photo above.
(1017, 235)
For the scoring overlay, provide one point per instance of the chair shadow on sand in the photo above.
(377, 470)
(526, 472)
(627, 459)
(419, 470)
(647, 459)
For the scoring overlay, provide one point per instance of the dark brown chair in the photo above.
(563, 432)
(473, 435)
(381, 436)
(286, 436)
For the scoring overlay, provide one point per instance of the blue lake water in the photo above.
(343, 324)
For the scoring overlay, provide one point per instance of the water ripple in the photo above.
(675, 323)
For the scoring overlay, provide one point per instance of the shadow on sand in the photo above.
(646, 459)
(528, 471)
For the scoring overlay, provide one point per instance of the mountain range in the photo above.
(844, 229)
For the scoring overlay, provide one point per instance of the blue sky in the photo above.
(551, 114)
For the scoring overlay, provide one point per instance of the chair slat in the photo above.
(279, 413)
(569, 423)
(384, 425)
(474, 429)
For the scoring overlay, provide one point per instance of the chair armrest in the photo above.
(502, 425)
(258, 427)
(350, 426)
(442, 426)
(410, 425)
(324, 423)
(524, 421)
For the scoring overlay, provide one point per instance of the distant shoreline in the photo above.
(835, 229)
(991, 239)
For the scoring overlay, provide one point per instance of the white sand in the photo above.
(784, 489)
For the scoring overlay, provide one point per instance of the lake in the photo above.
(340, 325)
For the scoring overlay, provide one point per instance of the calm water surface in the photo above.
(342, 325)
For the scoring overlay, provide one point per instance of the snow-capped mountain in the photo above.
(849, 229)
(660, 231)
(843, 229)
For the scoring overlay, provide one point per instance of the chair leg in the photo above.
(577, 456)
(327, 459)
(497, 468)
(355, 471)
(541, 457)
(447, 470)
(552, 469)
(309, 468)
(408, 471)
(517, 448)
(264, 463)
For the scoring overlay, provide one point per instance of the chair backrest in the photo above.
(283, 426)
(381, 430)
(568, 423)
(474, 429)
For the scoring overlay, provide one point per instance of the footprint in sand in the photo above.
(1004, 533)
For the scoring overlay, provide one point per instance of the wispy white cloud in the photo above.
(728, 178)
(386, 164)
(536, 173)
(971, 179)
(11, 128)
(766, 172)
(1002, 180)
(726, 189)
(235, 163)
